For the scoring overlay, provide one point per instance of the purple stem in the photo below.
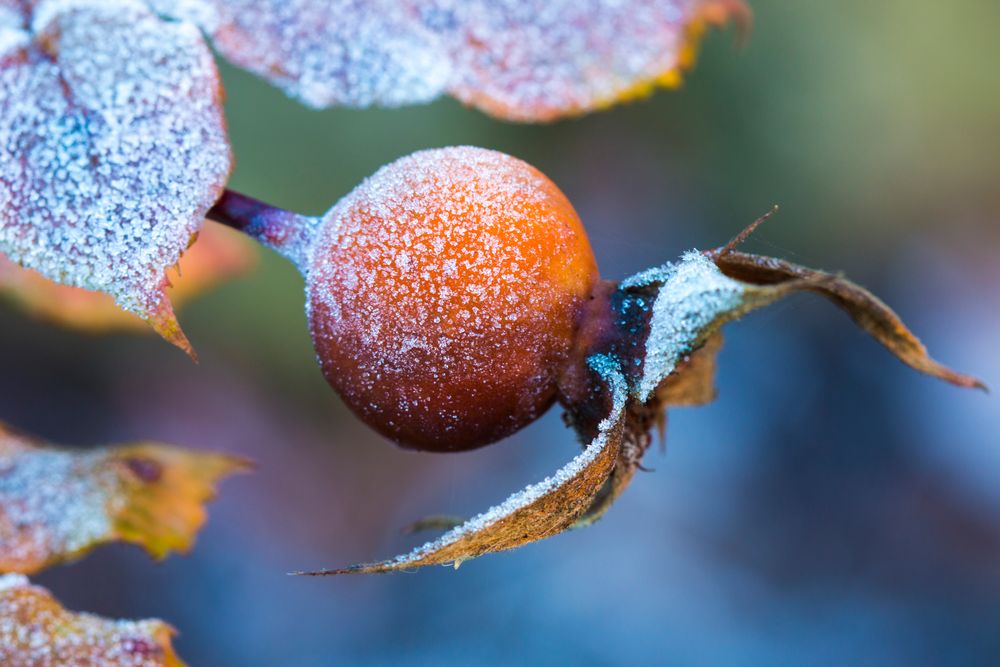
(288, 233)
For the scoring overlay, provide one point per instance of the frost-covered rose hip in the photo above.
(444, 296)
(453, 297)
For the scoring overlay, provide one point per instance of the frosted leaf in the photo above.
(326, 52)
(112, 149)
(537, 60)
(527, 60)
(36, 631)
(540, 510)
(56, 505)
(218, 255)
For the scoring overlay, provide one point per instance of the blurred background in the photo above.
(831, 507)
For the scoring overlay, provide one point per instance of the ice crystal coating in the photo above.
(326, 52)
(36, 631)
(112, 148)
(444, 293)
(57, 504)
(13, 33)
(693, 295)
(527, 60)
(536, 60)
(539, 510)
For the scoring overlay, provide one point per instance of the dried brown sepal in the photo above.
(540, 510)
(640, 420)
(693, 382)
(56, 504)
(867, 310)
(690, 301)
(36, 631)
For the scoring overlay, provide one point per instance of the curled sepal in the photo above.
(538, 511)
(36, 631)
(701, 292)
(112, 147)
(691, 299)
(217, 255)
(56, 505)
(866, 309)
(691, 383)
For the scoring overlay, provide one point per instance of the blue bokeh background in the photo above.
(831, 507)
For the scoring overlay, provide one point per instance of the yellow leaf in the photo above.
(57, 504)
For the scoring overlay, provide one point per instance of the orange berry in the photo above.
(445, 294)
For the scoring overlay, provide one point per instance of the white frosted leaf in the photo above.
(536, 60)
(112, 148)
(326, 52)
(538, 511)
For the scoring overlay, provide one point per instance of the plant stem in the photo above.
(288, 233)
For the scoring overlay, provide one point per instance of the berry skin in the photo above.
(445, 294)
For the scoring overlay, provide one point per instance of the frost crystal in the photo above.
(693, 295)
(539, 59)
(112, 148)
(51, 502)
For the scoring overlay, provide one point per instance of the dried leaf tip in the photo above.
(747, 232)
(163, 320)
(721, 12)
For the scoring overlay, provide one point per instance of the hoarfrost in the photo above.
(529, 60)
(535, 60)
(112, 148)
(693, 295)
(51, 502)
